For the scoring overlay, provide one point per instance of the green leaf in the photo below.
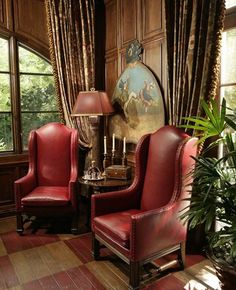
(230, 122)
(203, 123)
(223, 113)
(233, 250)
(209, 113)
(209, 220)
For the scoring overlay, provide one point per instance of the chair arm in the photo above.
(73, 192)
(23, 186)
(156, 230)
(114, 201)
(128, 198)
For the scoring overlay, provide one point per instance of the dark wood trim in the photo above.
(13, 159)
(39, 49)
(36, 47)
(15, 93)
(100, 28)
(230, 18)
(6, 17)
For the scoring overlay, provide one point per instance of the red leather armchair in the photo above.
(141, 223)
(50, 186)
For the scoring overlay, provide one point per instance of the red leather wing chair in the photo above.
(50, 186)
(141, 223)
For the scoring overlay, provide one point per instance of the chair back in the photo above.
(51, 150)
(165, 167)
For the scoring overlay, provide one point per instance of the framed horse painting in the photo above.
(137, 100)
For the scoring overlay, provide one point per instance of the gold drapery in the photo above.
(193, 31)
(71, 42)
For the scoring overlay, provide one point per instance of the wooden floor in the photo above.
(49, 258)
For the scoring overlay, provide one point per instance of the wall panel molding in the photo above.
(152, 18)
(153, 57)
(30, 21)
(111, 26)
(137, 19)
(2, 12)
(8, 174)
(7, 199)
(128, 21)
(111, 74)
(6, 20)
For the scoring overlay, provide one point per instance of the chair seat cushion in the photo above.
(116, 226)
(47, 196)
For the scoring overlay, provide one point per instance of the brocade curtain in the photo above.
(193, 31)
(71, 43)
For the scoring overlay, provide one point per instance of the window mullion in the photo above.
(15, 95)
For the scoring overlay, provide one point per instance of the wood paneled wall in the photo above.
(6, 14)
(127, 20)
(25, 20)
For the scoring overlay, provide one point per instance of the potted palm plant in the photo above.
(214, 189)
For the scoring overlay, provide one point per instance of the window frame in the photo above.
(4, 72)
(15, 93)
(229, 23)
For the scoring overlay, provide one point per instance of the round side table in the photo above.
(100, 186)
(105, 184)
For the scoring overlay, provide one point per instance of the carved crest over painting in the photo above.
(137, 99)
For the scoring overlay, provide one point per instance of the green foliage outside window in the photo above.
(38, 103)
(30, 62)
(37, 95)
(6, 136)
(2, 145)
(5, 101)
(4, 55)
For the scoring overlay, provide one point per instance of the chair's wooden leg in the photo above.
(134, 275)
(95, 247)
(19, 224)
(74, 224)
(181, 255)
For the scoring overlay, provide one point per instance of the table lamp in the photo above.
(93, 104)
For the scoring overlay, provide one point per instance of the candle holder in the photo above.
(105, 162)
(124, 159)
(113, 157)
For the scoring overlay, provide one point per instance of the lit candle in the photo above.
(124, 145)
(105, 145)
(113, 142)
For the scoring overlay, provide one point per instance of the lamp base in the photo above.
(94, 122)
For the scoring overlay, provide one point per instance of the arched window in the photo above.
(27, 94)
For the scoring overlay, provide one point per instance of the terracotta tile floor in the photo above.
(51, 259)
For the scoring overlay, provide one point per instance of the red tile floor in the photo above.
(44, 259)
